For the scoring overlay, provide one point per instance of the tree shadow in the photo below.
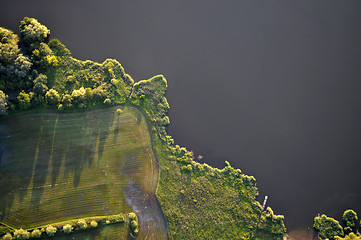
(20, 138)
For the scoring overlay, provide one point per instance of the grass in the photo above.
(62, 166)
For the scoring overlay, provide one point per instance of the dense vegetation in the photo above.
(45, 74)
(199, 201)
(330, 228)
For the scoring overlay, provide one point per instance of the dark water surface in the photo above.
(274, 87)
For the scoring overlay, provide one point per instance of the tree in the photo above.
(3, 103)
(349, 218)
(52, 97)
(58, 48)
(32, 33)
(36, 233)
(327, 227)
(51, 230)
(94, 224)
(7, 237)
(66, 100)
(21, 234)
(40, 84)
(24, 100)
(15, 68)
(78, 95)
(82, 224)
(67, 228)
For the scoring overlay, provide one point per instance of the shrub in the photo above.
(107, 222)
(94, 224)
(21, 234)
(67, 228)
(51, 230)
(36, 233)
(8, 237)
(82, 224)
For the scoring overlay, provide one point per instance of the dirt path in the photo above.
(140, 194)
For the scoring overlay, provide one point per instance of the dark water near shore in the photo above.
(274, 87)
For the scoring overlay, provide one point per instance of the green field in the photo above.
(60, 166)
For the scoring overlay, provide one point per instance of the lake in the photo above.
(271, 86)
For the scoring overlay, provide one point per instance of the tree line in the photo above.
(38, 71)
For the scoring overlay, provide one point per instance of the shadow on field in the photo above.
(32, 146)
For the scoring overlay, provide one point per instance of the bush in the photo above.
(67, 228)
(36, 233)
(8, 237)
(82, 224)
(51, 230)
(21, 234)
(94, 224)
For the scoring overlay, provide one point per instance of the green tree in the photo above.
(89, 95)
(327, 227)
(67, 228)
(21, 234)
(32, 33)
(51, 230)
(24, 101)
(3, 103)
(349, 218)
(58, 48)
(40, 84)
(8, 237)
(36, 233)
(67, 100)
(52, 97)
(94, 224)
(82, 224)
(15, 68)
(78, 95)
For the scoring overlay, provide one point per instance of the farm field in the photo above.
(60, 166)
